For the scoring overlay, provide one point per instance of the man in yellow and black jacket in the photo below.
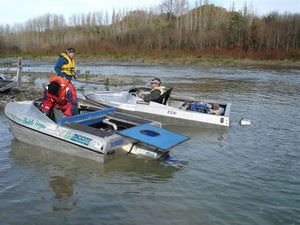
(65, 65)
(156, 93)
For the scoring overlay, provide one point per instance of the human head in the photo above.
(155, 82)
(70, 52)
(53, 88)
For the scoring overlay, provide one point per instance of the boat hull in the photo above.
(167, 115)
(33, 137)
(89, 134)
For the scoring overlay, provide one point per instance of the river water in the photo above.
(241, 175)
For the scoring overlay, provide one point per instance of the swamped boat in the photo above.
(93, 134)
(7, 83)
(174, 110)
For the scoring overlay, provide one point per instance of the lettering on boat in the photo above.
(171, 112)
(81, 139)
(142, 102)
(28, 121)
(67, 134)
(34, 123)
(116, 143)
(14, 117)
(39, 125)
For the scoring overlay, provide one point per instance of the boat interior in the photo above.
(199, 106)
(187, 104)
(99, 122)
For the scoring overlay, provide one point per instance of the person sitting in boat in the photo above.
(156, 93)
(59, 99)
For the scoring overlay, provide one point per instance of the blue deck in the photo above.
(154, 136)
(91, 116)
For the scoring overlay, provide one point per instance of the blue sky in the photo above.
(19, 11)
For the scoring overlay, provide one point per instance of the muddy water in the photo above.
(242, 175)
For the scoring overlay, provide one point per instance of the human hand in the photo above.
(46, 113)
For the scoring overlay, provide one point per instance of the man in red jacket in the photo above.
(59, 98)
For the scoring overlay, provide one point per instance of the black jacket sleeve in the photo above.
(153, 96)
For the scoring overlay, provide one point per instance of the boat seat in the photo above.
(166, 96)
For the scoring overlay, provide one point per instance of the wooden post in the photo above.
(18, 73)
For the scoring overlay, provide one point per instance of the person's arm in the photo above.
(60, 62)
(47, 102)
(153, 96)
(71, 104)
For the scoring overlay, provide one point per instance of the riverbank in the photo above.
(26, 93)
(33, 83)
(183, 58)
(30, 91)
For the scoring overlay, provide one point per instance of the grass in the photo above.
(205, 57)
(106, 81)
(7, 64)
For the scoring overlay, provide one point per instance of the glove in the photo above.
(46, 113)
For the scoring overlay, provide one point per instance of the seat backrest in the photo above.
(166, 96)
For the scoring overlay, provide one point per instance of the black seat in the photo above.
(166, 96)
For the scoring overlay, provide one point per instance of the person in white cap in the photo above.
(157, 91)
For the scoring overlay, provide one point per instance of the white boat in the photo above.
(7, 83)
(93, 134)
(174, 110)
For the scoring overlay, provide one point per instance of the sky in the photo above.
(19, 11)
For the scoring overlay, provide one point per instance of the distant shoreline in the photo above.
(166, 58)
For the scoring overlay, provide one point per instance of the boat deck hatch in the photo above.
(154, 136)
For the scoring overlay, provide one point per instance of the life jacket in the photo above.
(66, 99)
(69, 68)
(162, 90)
(63, 87)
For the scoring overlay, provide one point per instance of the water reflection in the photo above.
(122, 164)
(69, 175)
(204, 132)
(63, 188)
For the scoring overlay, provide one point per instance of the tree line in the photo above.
(172, 26)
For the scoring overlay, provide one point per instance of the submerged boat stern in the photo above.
(151, 141)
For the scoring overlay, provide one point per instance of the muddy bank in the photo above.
(30, 90)
(111, 79)
(26, 93)
(170, 58)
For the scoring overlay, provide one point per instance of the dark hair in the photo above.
(69, 50)
(156, 80)
(53, 88)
